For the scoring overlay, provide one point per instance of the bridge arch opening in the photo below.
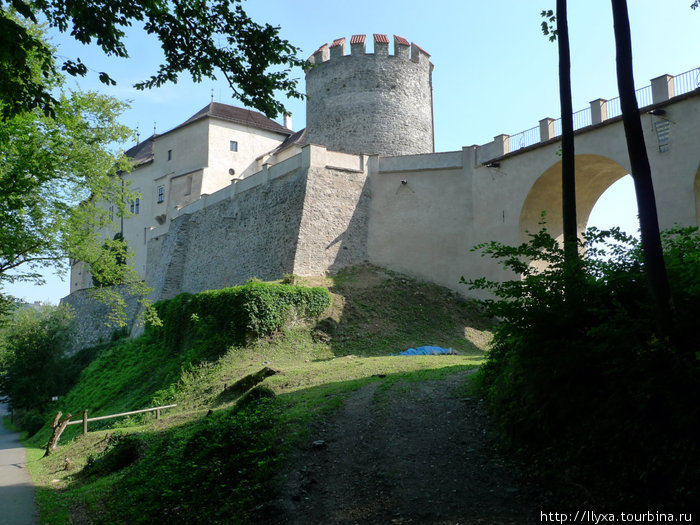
(595, 175)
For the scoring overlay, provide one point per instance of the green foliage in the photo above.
(206, 472)
(56, 172)
(48, 170)
(201, 38)
(549, 23)
(121, 451)
(110, 265)
(230, 315)
(214, 458)
(34, 357)
(588, 384)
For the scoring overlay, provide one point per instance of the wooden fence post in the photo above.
(85, 418)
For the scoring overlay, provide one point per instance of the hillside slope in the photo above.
(222, 458)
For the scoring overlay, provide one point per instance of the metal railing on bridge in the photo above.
(683, 83)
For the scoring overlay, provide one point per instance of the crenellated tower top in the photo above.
(402, 49)
(374, 103)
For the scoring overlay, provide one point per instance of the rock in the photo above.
(318, 444)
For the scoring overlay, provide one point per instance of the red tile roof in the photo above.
(357, 39)
(381, 39)
(421, 49)
(338, 42)
(401, 40)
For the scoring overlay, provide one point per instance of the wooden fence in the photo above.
(86, 420)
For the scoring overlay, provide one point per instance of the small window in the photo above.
(134, 206)
(161, 193)
(170, 154)
(233, 145)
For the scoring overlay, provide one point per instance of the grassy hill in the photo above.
(215, 457)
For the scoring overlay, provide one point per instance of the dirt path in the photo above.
(415, 453)
(16, 488)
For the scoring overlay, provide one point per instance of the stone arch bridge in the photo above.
(428, 211)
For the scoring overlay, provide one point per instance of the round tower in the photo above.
(378, 104)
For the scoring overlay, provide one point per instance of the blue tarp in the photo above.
(427, 350)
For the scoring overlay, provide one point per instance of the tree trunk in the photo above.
(568, 169)
(641, 171)
(58, 428)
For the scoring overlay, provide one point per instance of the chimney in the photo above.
(288, 121)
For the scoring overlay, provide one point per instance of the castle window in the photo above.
(170, 154)
(134, 206)
(233, 145)
(161, 193)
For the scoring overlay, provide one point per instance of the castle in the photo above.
(229, 194)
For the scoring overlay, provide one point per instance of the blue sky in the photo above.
(494, 70)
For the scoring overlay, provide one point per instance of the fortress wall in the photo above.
(91, 318)
(421, 218)
(305, 215)
(249, 234)
(378, 104)
(333, 231)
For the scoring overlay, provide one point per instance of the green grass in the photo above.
(215, 456)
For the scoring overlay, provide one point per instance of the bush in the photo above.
(583, 381)
(231, 315)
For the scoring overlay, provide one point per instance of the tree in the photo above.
(33, 349)
(568, 168)
(641, 170)
(200, 37)
(55, 174)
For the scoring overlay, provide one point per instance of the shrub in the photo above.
(231, 315)
(584, 380)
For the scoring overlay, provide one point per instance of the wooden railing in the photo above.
(59, 425)
(86, 420)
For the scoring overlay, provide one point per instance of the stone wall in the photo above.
(333, 232)
(91, 317)
(251, 234)
(306, 215)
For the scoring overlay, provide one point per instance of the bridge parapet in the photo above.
(661, 89)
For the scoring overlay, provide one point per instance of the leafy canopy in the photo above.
(199, 37)
(592, 386)
(32, 349)
(56, 171)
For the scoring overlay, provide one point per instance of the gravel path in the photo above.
(17, 505)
